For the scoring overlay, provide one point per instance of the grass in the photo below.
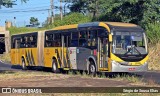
(15, 30)
(5, 57)
(154, 55)
(4, 75)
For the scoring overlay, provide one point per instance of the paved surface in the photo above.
(75, 80)
(5, 66)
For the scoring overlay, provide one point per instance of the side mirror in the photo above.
(110, 37)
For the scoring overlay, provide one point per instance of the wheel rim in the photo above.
(54, 66)
(23, 65)
(92, 68)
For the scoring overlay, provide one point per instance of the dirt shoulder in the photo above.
(47, 79)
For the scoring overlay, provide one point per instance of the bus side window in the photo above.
(92, 37)
(74, 40)
(27, 42)
(22, 44)
(17, 42)
(82, 38)
(49, 40)
(57, 39)
(33, 40)
(13, 43)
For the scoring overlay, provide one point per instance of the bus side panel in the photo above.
(30, 56)
(13, 58)
(82, 57)
(49, 53)
(17, 56)
(34, 57)
(73, 57)
(66, 58)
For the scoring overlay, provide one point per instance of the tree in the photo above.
(34, 21)
(85, 7)
(9, 3)
(132, 11)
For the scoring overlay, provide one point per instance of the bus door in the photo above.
(65, 50)
(103, 53)
(17, 51)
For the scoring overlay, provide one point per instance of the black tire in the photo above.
(92, 69)
(55, 68)
(24, 65)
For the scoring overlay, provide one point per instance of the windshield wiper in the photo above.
(131, 50)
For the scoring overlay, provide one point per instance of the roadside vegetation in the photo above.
(5, 57)
(15, 30)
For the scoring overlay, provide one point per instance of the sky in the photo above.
(33, 8)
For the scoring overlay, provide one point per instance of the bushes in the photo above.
(153, 32)
(73, 18)
(15, 30)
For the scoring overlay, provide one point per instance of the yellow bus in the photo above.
(92, 47)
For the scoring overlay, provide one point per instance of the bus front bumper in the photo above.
(116, 67)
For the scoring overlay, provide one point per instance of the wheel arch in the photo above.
(54, 57)
(23, 58)
(91, 58)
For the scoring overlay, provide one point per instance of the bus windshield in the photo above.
(129, 43)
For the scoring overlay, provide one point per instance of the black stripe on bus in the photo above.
(32, 58)
(58, 57)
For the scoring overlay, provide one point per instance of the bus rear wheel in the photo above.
(55, 68)
(92, 69)
(24, 65)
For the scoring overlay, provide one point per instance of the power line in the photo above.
(27, 11)
(24, 8)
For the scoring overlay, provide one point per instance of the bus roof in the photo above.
(107, 25)
(66, 27)
(120, 24)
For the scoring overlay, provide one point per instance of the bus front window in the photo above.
(129, 43)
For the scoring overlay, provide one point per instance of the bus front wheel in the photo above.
(55, 68)
(92, 69)
(24, 65)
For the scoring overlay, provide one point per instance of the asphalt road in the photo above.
(152, 76)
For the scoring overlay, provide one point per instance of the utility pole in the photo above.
(64, 9)
(49, 17)
(61, 11)
(52, 10)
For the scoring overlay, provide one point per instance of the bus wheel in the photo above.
(24, 65)
(55, 68)
(92, 69)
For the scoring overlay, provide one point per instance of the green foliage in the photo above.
(73, 18)
(133, 11)
(34, 21)
(9, 3)
(153, 32)
(15, 30)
